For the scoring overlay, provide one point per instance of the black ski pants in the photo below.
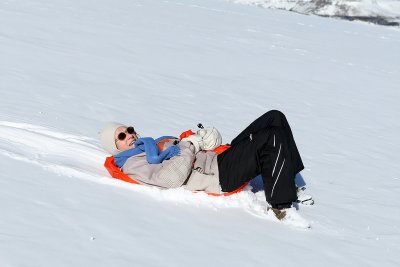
(265, 147)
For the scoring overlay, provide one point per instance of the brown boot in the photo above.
(280, 214)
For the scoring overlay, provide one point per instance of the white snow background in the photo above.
(68, 67)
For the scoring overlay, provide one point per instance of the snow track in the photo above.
(61, 153)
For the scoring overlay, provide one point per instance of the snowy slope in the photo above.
(66, 68)
(388, 11)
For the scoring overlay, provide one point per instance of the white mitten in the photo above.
(196, 140)
(211, 138)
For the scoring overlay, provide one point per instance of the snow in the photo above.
(67, 68)
(355, 8)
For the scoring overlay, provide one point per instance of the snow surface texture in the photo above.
(378, 11)
(67, 67)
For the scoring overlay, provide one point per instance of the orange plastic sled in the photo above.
(116, 173)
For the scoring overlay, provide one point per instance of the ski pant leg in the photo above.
(274, 118)
(278, 170)
(265, 152)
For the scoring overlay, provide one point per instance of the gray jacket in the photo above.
(195, 172)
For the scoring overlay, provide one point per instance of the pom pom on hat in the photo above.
(107, 137)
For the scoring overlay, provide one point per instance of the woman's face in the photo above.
(126, 143)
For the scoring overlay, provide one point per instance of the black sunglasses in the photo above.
(121, 136)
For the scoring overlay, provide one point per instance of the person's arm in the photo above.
(170, 173)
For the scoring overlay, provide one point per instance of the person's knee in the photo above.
(276, 113)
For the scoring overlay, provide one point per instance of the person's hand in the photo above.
(205, 139)
(196, 140)
(211, 138)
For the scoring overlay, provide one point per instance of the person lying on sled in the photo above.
(265, 147)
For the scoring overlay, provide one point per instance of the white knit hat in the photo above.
(107, 137)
